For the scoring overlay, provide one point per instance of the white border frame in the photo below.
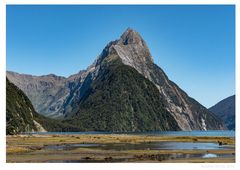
(26, 166)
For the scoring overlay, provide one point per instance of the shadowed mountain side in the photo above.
(225, 109)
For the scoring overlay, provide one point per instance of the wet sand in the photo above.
(34, 148)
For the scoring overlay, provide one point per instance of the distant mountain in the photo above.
(225, 109)
(47, 93)
(123, 90)
(21, 116)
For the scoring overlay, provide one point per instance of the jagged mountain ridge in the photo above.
(132, 50)
(225, 109)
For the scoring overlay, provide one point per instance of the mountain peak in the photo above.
(130, 30)
(132, 50)
(130, 36)
(130, 47)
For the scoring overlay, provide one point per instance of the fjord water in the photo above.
(152, 145)
(143, 146)
(224, 133)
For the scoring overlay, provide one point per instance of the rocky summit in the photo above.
(123, 90)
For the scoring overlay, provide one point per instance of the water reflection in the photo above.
(143, 146)
(210, 155)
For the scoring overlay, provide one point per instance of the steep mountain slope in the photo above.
(21, 116)
(189, 114)
(225, 109)
(121, 99)
(131, 51)
(20, 112)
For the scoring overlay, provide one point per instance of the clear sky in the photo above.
(194, 45)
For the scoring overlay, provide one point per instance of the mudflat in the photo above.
(117, 148)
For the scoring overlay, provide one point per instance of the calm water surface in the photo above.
(142, 146)
(225, 133)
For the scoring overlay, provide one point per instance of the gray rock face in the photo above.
(66, 93)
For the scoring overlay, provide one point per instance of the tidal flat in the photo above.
(119, 148)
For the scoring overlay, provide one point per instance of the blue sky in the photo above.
(194, 45)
